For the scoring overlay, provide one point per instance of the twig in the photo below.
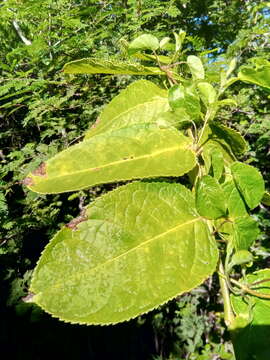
(20, 33)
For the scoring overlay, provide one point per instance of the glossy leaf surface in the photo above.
(140, 102)
(140, 151)
(102, 66)
(249, 182)
(210, 200)
(139, 246)
(251, 341)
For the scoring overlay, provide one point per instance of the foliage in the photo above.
(42, 111)
(131, 272)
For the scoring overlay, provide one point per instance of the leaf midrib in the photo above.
(142, 244)
(97, 168)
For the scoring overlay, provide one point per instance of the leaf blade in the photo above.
(139, 152)
(122, 271)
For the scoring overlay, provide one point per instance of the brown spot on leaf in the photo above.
(96, 169)
(27, 181)
(74, 222)
(41, 170)
(95, 124)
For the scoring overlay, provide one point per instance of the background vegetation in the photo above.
(42, 111)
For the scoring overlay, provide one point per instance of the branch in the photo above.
(20, 33)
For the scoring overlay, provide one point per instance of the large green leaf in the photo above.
(249, 182)
(140, 102)
(143, 42)
(259, 75)
(207, 92)
(140, 151)
(210, 199)
(138, 247)
(251, 340)
(102, 66)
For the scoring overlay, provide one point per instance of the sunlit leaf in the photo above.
(141, 151)
(138, 247)
(140, 102)
(143, 42)
(196, 67)
(102, 66)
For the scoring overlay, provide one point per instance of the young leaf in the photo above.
(102, 66)
(249, 182)
(208, 93)
(210, 200)
(141, 151)
(196, 67)
(143, 42)
(139, 246)
(266, 198)
(258, 310)
(235, 202)
(245, 232)
(184, 99)
(140, 102)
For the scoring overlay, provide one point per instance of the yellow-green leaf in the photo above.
(196, 67)
(102, 66)
(138, 247)
(140, 102)
(141, 151)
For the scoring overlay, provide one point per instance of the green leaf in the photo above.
(143, 42)
(250, 183)
(245, 232)
(241, 257)
(217, 163)
(235, 202)
(140, 102)
(140, 151)
(251, 341)
(184, 99)
(139, 246)
(259, 76)
(196, 67)
(102, 66)
(227, 102)
(266, 198)
(210, 200)
(230, 136)
(208, 93)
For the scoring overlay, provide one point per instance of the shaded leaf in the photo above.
(251, 340)
(235, 202)
(230, 136)
(210, 200)
(102, 66)
(142, 245)
(249, 182)
(266, 199)
(140, 151)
